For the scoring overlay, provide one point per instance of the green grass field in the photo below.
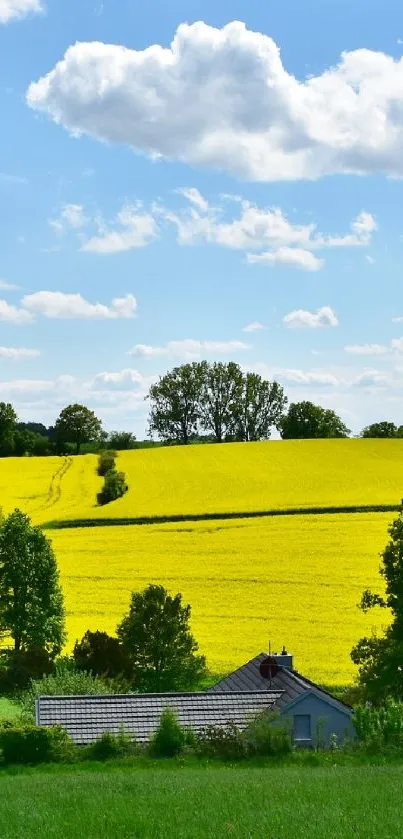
(203, 803)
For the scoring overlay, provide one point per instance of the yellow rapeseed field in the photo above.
(237, 477)
(294, 580)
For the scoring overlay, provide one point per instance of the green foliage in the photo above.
(175, 403)
(77, 424)
(121, 441)
(114, 487)
(382, 430)
(31, 744)
(304, 420)
(169, 739)
(102, 655)
(157, 637)
(8, 422)
(379, 658)
(223, 742)
(106, 461)
(65, 681)
(380, 728)
(18, 668)
(265, 736)
(31, 599)
(111, 746)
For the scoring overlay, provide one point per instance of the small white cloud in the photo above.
(135, 229)
(16, 9)
(371, 379)
(58, 305)
(11, 314)
(255, 326)
(189, 349)
(74, 216)
(121, 379)
(301, 318)
(296, 257)
(367, 349)
(308, 377)
(5, 177)
(6, 286)
(370, 259)
(17, 353)
(195, 197)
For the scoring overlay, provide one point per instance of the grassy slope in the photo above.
(202, 802)
(211, 479)
(293, 580)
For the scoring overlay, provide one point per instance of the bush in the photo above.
(102, 655)
(65, 681)
(114, 487)
(106, 462)
(111, 746)
(170, 738)
(31, 745)
(225, 742)
(264, 736)
(18, 668)
(380, 728)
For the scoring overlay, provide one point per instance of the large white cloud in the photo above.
(223, 98)
(15, 9)
(12, 314)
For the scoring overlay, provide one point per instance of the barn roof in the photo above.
(86, 718)
(290, 683)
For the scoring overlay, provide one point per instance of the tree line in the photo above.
(196, 402)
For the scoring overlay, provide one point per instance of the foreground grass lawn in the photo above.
(201, 802)
(8, 710)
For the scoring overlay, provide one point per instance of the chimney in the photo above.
(284, 659)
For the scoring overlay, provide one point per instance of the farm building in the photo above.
(266, 683)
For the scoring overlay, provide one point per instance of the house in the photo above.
(266, 683)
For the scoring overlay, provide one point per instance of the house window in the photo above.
(302, 727)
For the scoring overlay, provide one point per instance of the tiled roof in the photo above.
(86, 718)
(289, 682)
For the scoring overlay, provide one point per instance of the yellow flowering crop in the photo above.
(294, 580)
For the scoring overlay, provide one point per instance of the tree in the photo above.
(121, 440)
(380, 429)
(77, 424)
(220, 398)
(156, 635)
(304, 420)
(8, 424)
(31, 600)
(380, 658)
(101, 654)
(262, 407)
(175, 403)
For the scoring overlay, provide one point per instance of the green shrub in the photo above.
(106, 462)
(114, 487)
(102, 655)
(31, 744)
(18, 668)
(65, 681)
(380, 727)
(224, 742)
(264, 736)
(170, 738)
(111, 746)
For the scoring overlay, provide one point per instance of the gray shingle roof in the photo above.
(290, 683)
(86, 718)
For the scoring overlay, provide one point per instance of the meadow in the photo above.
(288, 579)
(199, 802)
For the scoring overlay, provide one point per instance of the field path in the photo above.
(55, 487)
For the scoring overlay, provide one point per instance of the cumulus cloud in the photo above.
(17, 353)
(300, 318)
(16, 9)
(12, 314)
(58, 305)
(255, 326)
(133, 228)
(308, 377)
(6, 286)
(122, 379)
(223, 98)
(296, 257)
(189, 349)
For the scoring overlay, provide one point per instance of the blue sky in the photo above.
(233, 193)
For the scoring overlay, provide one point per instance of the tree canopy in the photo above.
(304, 420)
(216, 400)
(157, 638)
(31, 599)
(382, 429)
(8, 426)
(77, 424)
(380, 658)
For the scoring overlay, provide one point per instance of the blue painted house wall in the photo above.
(326, 718)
